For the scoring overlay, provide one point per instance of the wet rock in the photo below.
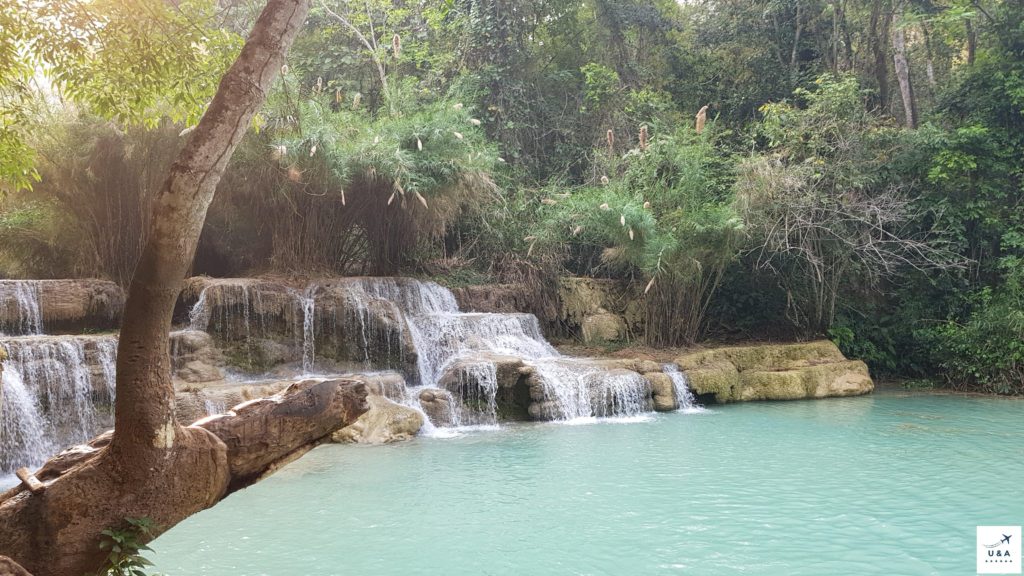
(662, 391)
(439, 406)
(194, 357)
(390, 385)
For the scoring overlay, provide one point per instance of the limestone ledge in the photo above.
(774, 372)
(65, 306)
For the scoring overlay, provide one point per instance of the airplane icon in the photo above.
(1006, 539)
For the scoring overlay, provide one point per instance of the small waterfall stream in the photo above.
(23, 430)
(684, 397)
(20, 309)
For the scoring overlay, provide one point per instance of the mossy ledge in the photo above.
(774, 372)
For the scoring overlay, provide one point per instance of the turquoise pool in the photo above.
(885, 484)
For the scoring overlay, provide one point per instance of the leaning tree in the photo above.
(153, 466)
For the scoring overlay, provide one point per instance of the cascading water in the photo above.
(443, 337)
(20, 311)
(307, 301)
(681, 384)
(478, 388)
(620, 394)
(54, 388)
(416, 327)
(23, 430)
(214, 407)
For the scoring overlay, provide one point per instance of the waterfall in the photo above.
(306, 300)
(23, 431)
(214, 407)
(416, 327)
(52, 388)
(443, 337)
(566, 393)
(478, 387)
(199, 315)
(621, 394)
(20, 312)
(685, 400)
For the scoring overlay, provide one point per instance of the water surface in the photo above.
(882, 484)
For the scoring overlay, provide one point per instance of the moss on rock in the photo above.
(775, 372)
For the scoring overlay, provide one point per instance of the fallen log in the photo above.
(57, 531)
(29, 480)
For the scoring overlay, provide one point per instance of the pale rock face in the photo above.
(663, 392)
(603, 327)
(194, 357)
(775, 372)
(383, 423)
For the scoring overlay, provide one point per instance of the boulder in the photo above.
(463, 379)
(662, 391)
(439, 406)
(774, 372)
(603, 327)
(194, 358)
(594, 307)
(383, 423)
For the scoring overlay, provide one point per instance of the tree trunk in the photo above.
(902, 65)
(930, 68)
(879, 41)
(154, 467)
(254, 439)
(794, 66)
(972, 42)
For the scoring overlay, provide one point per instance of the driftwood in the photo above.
(29, 480)
(42, 530)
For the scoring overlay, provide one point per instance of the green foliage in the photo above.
(135, 61)
(600, 83)
(824, 208)
(985, 351)
(376, 184)
(125, 546)
(661, 215)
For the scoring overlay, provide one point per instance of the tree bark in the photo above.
(144, 411)
(972, 41)
(794, 67)
(902, 65)
(9, 567)
(879, 39)
(254, 439)
(154, 467)
(930, 66)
